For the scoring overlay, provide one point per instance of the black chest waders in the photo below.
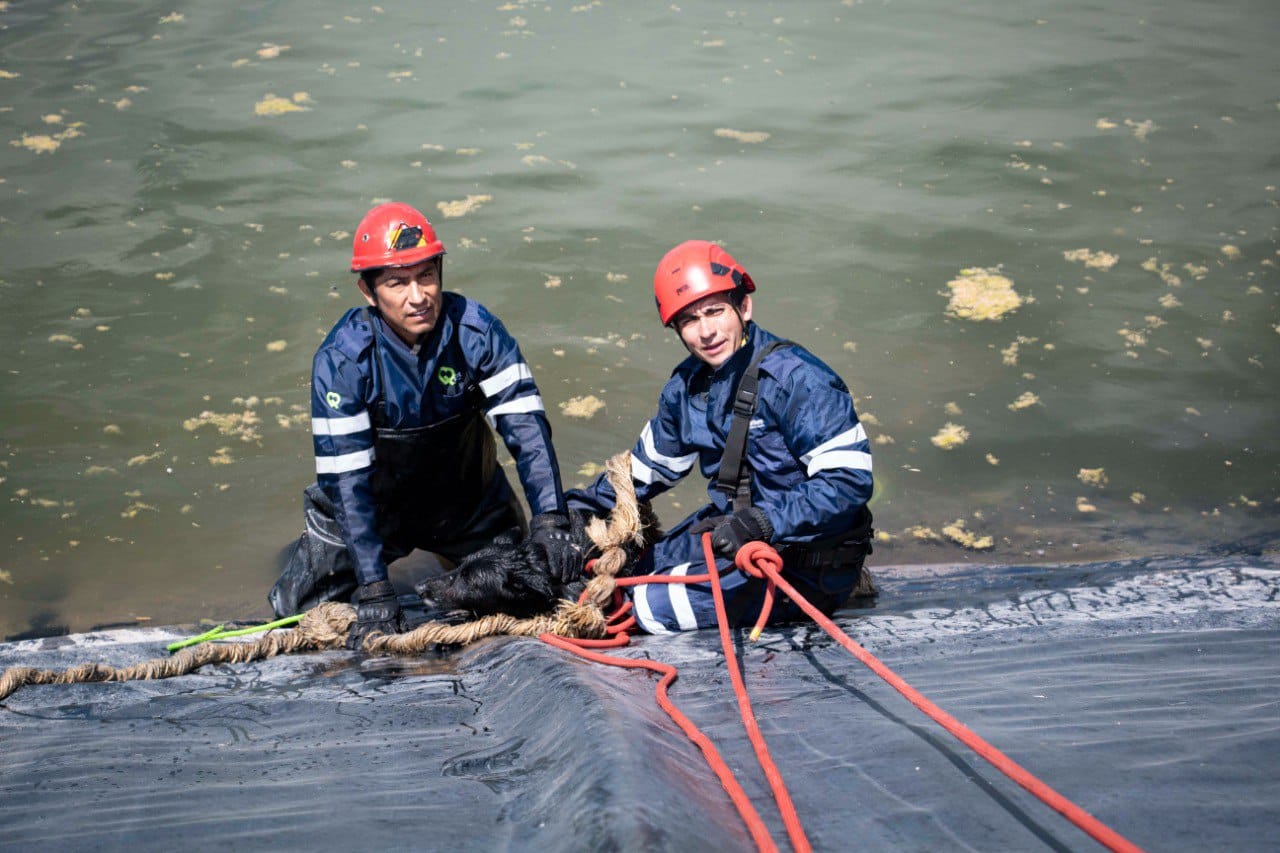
(438, 488)
(831, 568)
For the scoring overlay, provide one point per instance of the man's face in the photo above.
(711, 328)
(408, 298)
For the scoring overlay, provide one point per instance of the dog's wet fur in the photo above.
(510, 576)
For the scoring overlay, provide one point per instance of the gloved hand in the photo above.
(552, 532)
(730, 532)
(377, 610)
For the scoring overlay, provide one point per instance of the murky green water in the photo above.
(179, 253)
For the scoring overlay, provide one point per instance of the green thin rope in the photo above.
(219, 634)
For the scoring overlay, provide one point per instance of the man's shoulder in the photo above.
(467, 313)
(793, 362)
(349, 338)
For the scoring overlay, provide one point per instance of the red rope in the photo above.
(761, 560)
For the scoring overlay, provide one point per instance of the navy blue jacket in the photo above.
(417, 387)
(810, 457)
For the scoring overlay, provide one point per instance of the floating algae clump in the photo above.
(982, 294)
(454, 209)
(273, 105)
(955, 531)
(582, 407)
(1091, 259)
(1093, 476)
(950, 436)
(749, 137)
(1027, 400)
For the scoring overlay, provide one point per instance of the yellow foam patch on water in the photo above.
(271, 51)
(40, 143)
(468, 152)
(1163, 270)
(144, 459)
(242, 425)
(1137, 498)
(222, 457)
(1092, 259)
(1025, 401)
(173, 18)
(956, 532)
(277, 346)
(952, 409)
(1230, 251)
(582, 407)
(982, 294)
(553, 281)
(132, 510)
(535, 160)
(750, 137)
(950, 436)
(849, 346)
(1132, 338)
(454, 209)
(273, 105)
(1105, 124)
(992, 459)
(5, 577)
(98, 470)
(616, 277)
(8, 75)
(112, 429)
(61, 339)
(1093, 477)
(919, 531)
(883, 439)
(1083, 505)
(1169, 301)
(1141, 128)
(590, 469)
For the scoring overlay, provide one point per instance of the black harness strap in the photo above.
(734, 478)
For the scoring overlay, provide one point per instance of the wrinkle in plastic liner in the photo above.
(1146, 692)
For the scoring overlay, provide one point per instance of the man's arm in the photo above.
(821, 429)
(342, 434)
(659, 459)
(514, 407)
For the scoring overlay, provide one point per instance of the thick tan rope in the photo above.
(326, 626)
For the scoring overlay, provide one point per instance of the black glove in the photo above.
(730, 532)
(377, 610)
(552, 532)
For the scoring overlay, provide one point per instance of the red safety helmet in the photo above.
(692, 270)
(393, 235)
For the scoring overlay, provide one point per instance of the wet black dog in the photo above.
(510, 576)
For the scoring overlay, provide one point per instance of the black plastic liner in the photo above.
(1146, 692)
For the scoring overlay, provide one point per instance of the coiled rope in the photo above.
(326, 626)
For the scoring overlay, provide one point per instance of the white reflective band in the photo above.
(345, 462)
(644, 613)
(642, 473)
(504, 379)
(520, 405)
(680, 605)
(844, 439)
(678, 464)
(340, 426)
(855, 459)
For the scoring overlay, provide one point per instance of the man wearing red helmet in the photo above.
(772, 428)
(400, 392)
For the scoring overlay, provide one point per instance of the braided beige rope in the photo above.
(326, 626)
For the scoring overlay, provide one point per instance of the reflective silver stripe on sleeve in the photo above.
(854, 459)
(344, 463)
(504, 379)
(678, 464)
(518, 406)
(644, 613)
(340, 426)
(642, 473)
(844, 439)
(680, 606)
